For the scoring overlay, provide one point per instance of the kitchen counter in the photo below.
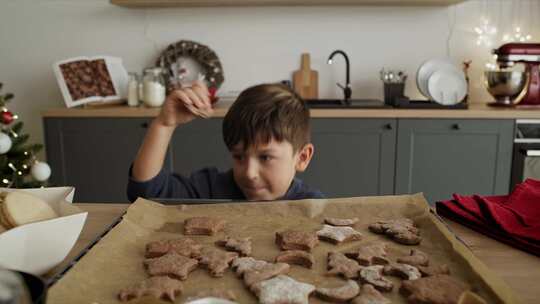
(520, 270)
(481, 111)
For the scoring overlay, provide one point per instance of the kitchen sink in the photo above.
(341, 104)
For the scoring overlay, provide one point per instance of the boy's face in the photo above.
(265, 172)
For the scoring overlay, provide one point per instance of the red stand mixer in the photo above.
(528, 54)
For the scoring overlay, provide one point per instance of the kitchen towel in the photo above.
(513, 219)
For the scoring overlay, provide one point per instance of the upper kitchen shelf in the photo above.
(199, 3)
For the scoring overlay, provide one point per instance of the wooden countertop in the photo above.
(520, 270)
(481, 111)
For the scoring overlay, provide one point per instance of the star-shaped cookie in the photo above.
(370, 255)
(161, 287)
(216, 260)
(171, 264)
(338, 263)
(184, 246)
(283, 289)
(338, 235)
(240, 245)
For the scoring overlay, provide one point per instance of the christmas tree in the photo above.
(18, 163)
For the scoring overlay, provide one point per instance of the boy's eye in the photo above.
(265, 157)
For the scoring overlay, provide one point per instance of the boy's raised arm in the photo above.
(181, 106)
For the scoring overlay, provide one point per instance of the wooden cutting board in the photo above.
(306, 80)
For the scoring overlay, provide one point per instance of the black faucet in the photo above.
(347, 88)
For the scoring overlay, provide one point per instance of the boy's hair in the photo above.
(267, 111)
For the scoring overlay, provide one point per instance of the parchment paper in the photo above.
(116, 261)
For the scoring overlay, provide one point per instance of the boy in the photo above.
(266, 130)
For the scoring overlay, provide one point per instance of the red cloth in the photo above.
(514, 218)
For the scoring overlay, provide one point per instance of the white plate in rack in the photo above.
(427, 69)
(447, 86)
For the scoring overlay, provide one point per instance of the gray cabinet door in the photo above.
(93, 155)
(353, 157)
(199, 144)
(446, 156)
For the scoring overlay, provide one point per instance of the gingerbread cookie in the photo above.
(203, 225)
(339, 264)
(370, 255)
(161, 287)
(216, 260)
(339, 294)
(240, 245)
(370, 295)
(338, 235)
(432, 270)
(373, 275)
(340, 222)
(244, 264)
(184, 246)
(296, 240)
(400, 230)
(404, 271)
(296, 257)
(437, 289)
(283, 289)
(264, 273)
(416, 258)
(171, 264)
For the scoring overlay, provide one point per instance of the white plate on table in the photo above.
(447, 86)
(427, 69)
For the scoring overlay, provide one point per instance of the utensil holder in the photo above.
(392, 92)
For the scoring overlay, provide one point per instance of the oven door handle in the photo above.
(531, 152)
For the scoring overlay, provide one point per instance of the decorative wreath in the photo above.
(174, 61)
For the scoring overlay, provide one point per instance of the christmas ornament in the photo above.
(5, 143)
(6, 117)
(40, 171)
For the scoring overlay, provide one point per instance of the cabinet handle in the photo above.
(144, 125)
(388, 126)
(456, 127)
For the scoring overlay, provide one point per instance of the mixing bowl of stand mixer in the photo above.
(507, 86)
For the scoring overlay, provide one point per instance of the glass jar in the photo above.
(153, 87)
(133, 89)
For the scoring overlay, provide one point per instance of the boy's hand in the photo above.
(183, 105)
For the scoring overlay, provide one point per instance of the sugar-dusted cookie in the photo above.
(370, 295)
(216, 260)
(339, 264)
(366, 255)
(400, 230)
(244, 264)
(416, 258)
(373, 275)
(161, 287)
(437, 289)
(283, 289)
(296, 240)
(240, 245)
(338, 235)
(296, 257)
(432, 270)
(264, 273)
(339, 294)
(340, 222)
(404, 271)
(203, 225)
(171, 264)
(183, 246)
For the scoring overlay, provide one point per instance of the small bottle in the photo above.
(133, 89)
(153, 87)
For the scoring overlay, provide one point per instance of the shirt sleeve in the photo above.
(172, 185)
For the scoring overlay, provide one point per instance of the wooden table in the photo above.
(520, 270)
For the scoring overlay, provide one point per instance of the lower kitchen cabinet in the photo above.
(445, 156)
(353, 157)
(93, 155)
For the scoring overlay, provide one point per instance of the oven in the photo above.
(526, 154)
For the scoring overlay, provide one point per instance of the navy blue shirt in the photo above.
(207, 183)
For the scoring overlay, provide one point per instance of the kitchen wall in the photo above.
(256, 44)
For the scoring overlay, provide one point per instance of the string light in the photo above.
(5, 181)
(12, 166)
(486, 32)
